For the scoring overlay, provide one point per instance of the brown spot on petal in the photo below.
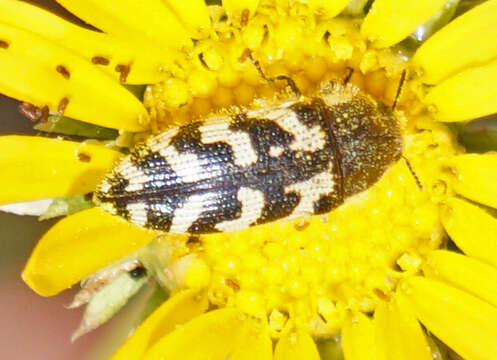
(62, 106)
(84, 157)
(100, 60)
(124, 71)
(4, 44)
(61, 69)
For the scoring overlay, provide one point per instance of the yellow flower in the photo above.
(362, 279)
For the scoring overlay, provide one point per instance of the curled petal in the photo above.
(79, 245)
(472, 229)
(36, 167)
(468, 40)
(465, 323)
(390, 21)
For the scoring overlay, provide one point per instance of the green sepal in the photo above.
(66, 206)
(67, 126)
(108, 301)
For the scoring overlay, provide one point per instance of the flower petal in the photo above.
(179, 309)
(94, 46)
(358, 338)
(79, 245)
(390, 21)
(472, 229)
(65, 82)
(469, 40)
(467, 95)
(256, 344)
(465, 323)
(193, 14)
(463, 272)
(134, 20)
(213, 335)
(36, 167)
(296, 346)
(413, 340)
(475, 177)
(236, 8)
(381, 331)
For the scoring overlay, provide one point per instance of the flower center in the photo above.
(310, 272)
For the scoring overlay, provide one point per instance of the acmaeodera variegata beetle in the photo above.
(224, 173)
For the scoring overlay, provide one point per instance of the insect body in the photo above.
(226, 173)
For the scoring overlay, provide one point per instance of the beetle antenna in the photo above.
(399, 89)
(413, 173)
(257, 65)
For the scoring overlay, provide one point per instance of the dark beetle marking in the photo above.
(61, 69)
(4, 44)
(178, 181)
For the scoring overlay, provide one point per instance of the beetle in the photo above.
(283, 160)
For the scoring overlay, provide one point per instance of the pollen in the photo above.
(310, 273)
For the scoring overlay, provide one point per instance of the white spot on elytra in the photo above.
(217, 130)
(186, 165)
(135, 176)
(275, 151)
(192, 208)
(159, 142)
(104, 186)
(137, 213)
(311, 191)
(252, 205)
